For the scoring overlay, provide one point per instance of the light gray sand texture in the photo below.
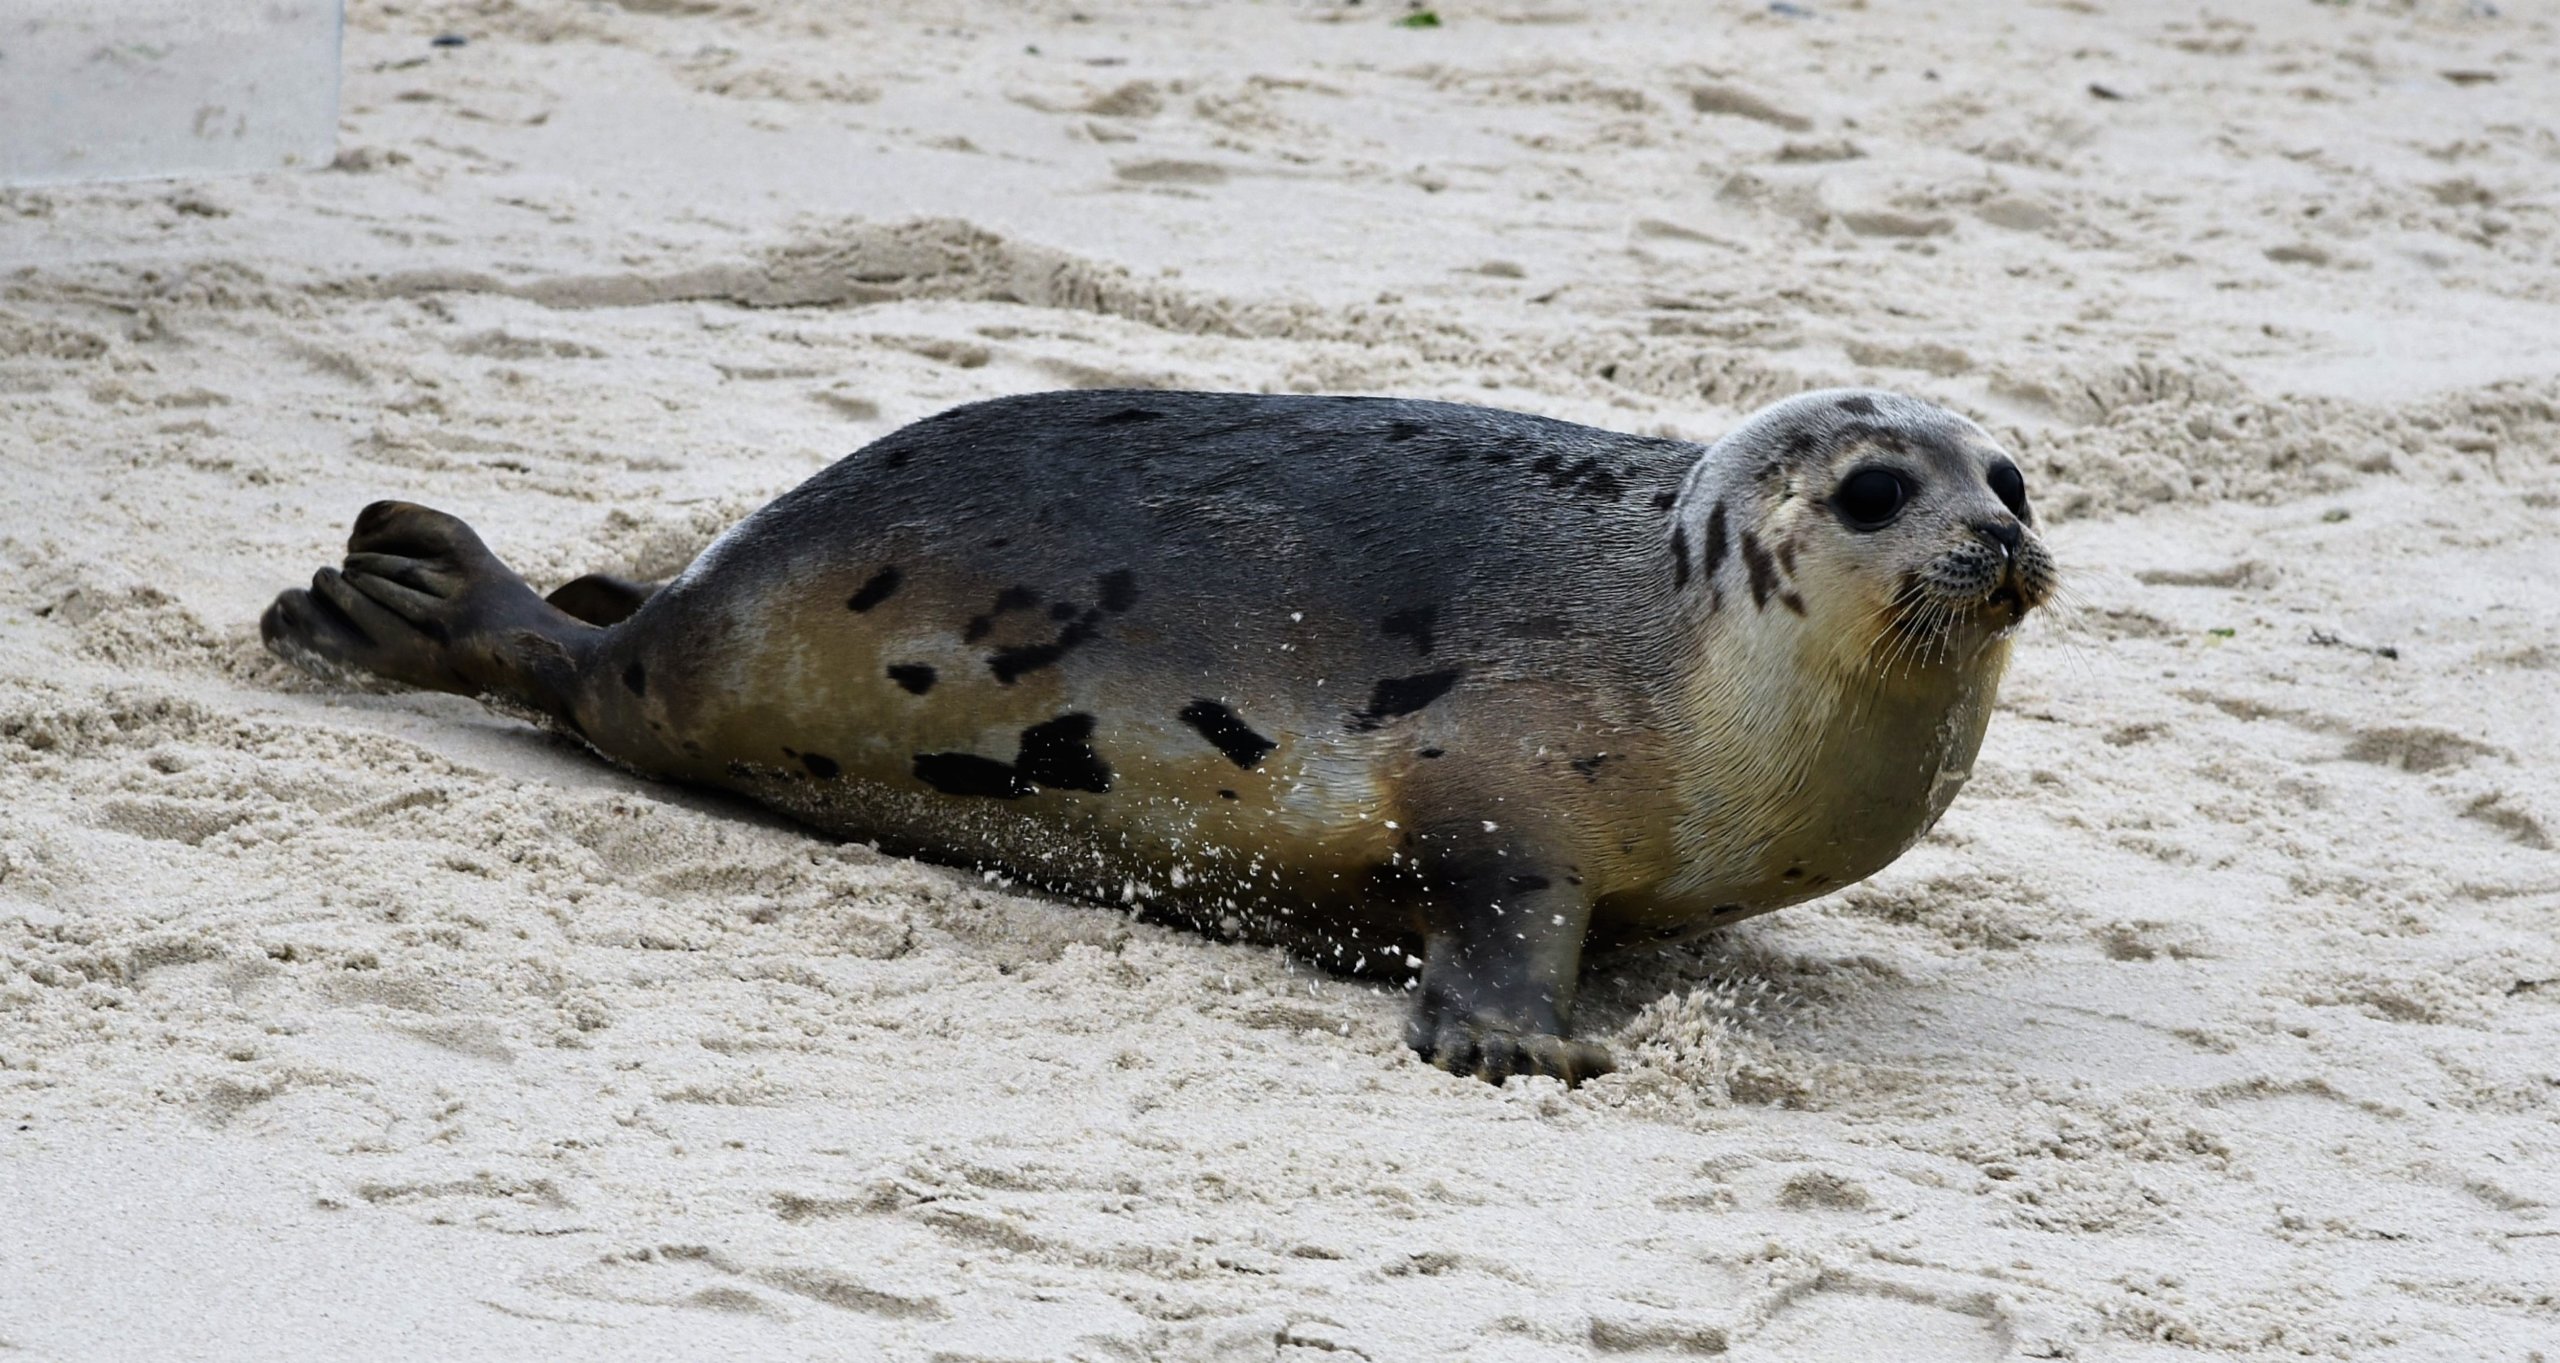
(2221, 1017)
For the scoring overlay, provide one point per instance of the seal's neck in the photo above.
(1813, 751)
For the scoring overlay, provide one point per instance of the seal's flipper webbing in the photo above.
(422, 602)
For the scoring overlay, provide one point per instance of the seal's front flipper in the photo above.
(422, 602)
(1504, 952)
(602, 598)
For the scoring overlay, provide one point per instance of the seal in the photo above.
(1434, 693)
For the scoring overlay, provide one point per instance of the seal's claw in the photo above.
(344, 625)
(1483, 1047)
(308, 632)
(1565, 1059)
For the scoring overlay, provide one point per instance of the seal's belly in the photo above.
(942, 723)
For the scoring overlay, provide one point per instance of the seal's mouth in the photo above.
(2009, 599)
(1936, 613)
(2006, 605)
(1997, 613)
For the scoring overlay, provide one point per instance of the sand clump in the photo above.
(2219, 1015)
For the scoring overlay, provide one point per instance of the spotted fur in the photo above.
(1486, 725)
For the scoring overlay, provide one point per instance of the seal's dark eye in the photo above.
(2010, 486)
(1870, 498)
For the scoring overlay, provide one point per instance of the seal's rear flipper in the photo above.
(602, 598)
(422, 602)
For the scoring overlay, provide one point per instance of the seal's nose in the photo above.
(2004, 532)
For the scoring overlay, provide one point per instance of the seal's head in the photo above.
(1904, 525)
(1866, 558)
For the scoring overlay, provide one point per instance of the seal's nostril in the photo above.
(2005, 533)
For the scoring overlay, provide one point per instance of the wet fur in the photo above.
(1376, 678)
(1280, 555)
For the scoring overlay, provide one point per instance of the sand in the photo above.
(2222, 1014)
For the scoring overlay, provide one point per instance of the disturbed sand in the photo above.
(2221, 1014)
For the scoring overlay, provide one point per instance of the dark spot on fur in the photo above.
(895, 459)
(1858, 406)
(1662, 500)
(1793, 873)
(916, 678)
(881, 587)
(820, 765)
(1228, 795)
(1792, 602)
(1010, 663)
(1764, 574)
(1800, 444)
(1590, 766)
(1403, 430)
(1529, 884)
(1227, 733)
(1413, 623)
(1119, 590)
(1127, 416)
(1063, 610)
(1394, 696)
(1787, 556)
(1715, 541)
(1680, 558)
(1498, 455)
(1431, 752)
(1059, 753)
(1015, 598)
(636, 679)
(1587, 478)
(963, 773)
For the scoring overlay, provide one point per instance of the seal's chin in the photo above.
(2006, 607)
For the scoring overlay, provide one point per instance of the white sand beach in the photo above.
(2220, 1018)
